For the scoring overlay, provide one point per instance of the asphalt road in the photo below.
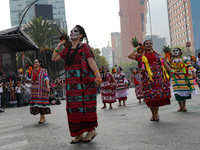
(122, 128)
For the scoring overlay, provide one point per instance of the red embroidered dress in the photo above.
(138, 86)
(121, 91)
(81, 92)
(156, 92)
(39, 102)
(108, 89)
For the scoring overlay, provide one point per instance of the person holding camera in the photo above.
(82, 78)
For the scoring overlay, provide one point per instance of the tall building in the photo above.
(133, 23)
(115, 43)
(184, 24)
(107, 53)
(158, 42)
(58, 7)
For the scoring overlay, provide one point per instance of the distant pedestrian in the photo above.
(18, 94)
(81, 90)
(39, 102)
(1, 96)
(138, 85)
(108, 88)
(155, 80)
(122, 86)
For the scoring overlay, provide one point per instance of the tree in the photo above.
(44, 34)
(100, 60)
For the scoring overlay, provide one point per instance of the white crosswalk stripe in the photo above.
(12, 135)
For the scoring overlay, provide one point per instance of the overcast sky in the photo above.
(99, 18)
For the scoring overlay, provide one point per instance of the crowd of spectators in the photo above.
(17, 93)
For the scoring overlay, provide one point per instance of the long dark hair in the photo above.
(69, 59)
(82, 31)
(146, 41)
(39, 60)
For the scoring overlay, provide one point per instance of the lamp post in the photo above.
(186, 27)
(24, 11)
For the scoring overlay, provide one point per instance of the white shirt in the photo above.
(28, 88)
(1, 89)
(18, 89)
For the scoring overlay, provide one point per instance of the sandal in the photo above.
(124, 104)
(41, 122)
(180, 109)
(103, 107)
(152, 119)
(77, 139)
(184, 109)
(157, 118)
(119, 105)
(89, 137)
(110, 107)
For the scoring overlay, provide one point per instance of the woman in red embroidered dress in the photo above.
(39, 102)
(155, 80)
(108, 88)
(81, 85)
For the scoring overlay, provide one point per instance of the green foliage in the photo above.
(166, 49)
(183, 49)
(42, 32)
(129, 67)
(134, 42)
(52, 67)
(100, 60)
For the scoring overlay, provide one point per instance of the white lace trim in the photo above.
(186, 93)
(122, 94)
(40, 106)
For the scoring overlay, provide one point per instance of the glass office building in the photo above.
(184, 23)
(195, 10)
(58, 7)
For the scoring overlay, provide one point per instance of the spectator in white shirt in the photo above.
(18, 96)
(1, 95)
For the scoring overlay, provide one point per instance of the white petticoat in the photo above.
(122, 93)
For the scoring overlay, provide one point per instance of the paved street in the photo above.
(123, 128)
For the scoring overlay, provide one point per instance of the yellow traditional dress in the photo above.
(182, 80)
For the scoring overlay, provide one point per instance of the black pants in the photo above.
(18, 96)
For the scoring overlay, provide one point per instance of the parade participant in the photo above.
(182, 80)
(138, 85)
(39, 102)
(113, 71)
(197, 66)
(155, 80)
(108, 88)
(122, 85)
(81, 85)
(1, 95)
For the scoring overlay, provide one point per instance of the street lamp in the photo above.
(186, 26)
(25, 10)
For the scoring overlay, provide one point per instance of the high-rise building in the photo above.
(133, 24)
(115, 43)
(58, 7)
(107, 53)
(184, 24)
(158, 42)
